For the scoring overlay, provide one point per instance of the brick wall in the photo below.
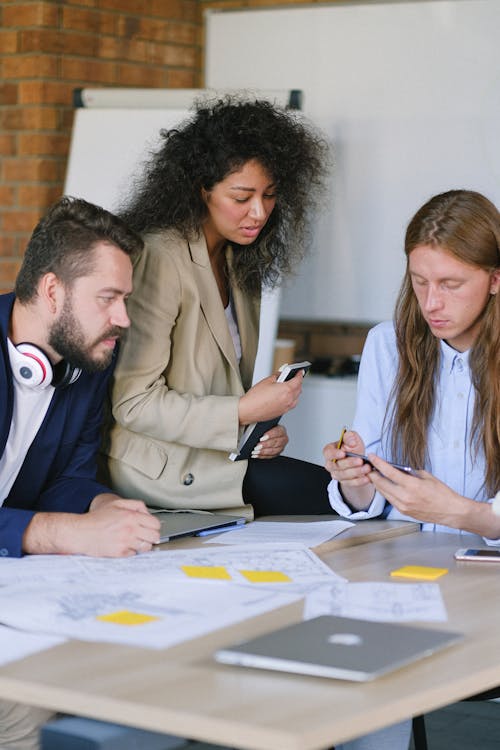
(47, 49)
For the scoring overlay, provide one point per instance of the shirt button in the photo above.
(187, 479)
(4, 552)
(456, 444)
(460, 395)
(460, 365)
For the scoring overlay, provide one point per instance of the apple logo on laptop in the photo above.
(345, 639)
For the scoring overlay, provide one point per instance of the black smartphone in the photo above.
(366, 460)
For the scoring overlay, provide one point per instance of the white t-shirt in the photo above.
(30, 407)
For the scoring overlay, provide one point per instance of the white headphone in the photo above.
(32, 367)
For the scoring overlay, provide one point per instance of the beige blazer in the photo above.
(177, 383)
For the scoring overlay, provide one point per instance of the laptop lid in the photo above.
(338, 647)
(190, 523)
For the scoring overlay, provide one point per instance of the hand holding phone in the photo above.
(366, 460)
(254, 432)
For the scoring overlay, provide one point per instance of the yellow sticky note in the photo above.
(206, 571)
(265, 576)
(419, 571)
(124, 617)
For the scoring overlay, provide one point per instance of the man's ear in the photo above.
(51, 292)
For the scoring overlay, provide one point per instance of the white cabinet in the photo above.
(325, 406)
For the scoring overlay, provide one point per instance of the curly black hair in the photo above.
(222, 136)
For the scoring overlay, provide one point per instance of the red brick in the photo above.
(19, 221)
(29, 118)
(122, 49)
(183, 33)
(8, 272)
(8, 93)
(59, 42)
(184, 79)
(130, 75)
(7, 145)
(34, 66)
(7, 246)
(8, 41)
(45, 92)
(30, 14)
(83, 19)
(137, 7)
(87, 3)
(88, 71)
(38, 195)
(130, 27)
(7, 195)
(156, 30)
(32, 170)
(168, 8)
(43, 144)
(176, 56)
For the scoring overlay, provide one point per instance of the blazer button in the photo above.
(187, 479)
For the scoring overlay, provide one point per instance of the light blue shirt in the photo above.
(450, 456)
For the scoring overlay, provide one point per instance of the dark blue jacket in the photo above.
(58, 473)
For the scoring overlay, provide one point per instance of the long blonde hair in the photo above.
(467, 225)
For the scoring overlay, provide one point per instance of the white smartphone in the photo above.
(490, 554)
(254, 432)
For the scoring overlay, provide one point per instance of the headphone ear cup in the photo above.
(31, 366)
(65, 374)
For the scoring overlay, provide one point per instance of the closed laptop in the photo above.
(338, 647)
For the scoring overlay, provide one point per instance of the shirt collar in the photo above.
(450, 357)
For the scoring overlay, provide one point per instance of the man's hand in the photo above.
(352, 473)
(113, 527)
(429, 500)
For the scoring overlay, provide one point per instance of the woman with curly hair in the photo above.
(223, 207)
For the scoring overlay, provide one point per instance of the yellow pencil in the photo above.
(341, 438)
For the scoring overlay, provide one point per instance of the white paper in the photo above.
(296, 563)
(384, 602)
(311, 534)
(152, 617)
(16, 644)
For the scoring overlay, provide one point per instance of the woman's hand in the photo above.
(352, 473)
(272, 443)
(268, 399)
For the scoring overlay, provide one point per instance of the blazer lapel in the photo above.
(211, 303)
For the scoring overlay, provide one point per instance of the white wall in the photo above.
(409, 94)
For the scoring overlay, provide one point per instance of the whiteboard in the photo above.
(408, 93)
(108, 147)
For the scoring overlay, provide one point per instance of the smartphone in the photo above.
(490, 554)
(286, 372)
(406, 469)
(254, 432)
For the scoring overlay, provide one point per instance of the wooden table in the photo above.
(183, 691)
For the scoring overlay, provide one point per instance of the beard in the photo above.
(67, 338)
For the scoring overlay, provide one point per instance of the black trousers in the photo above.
(286, 486)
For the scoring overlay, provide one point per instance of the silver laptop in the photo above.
(338, 647)
(191, 523)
